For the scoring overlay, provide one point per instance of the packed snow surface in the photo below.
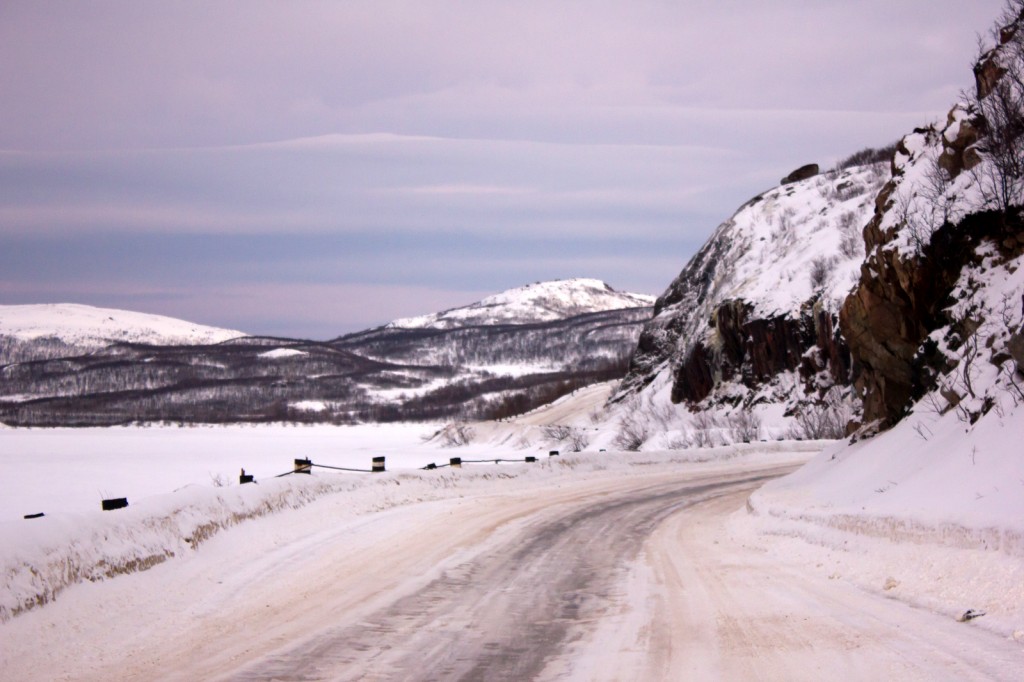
(539, 302)
(211, 581)
(86, 326)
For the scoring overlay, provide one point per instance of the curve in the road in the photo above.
(504, 614)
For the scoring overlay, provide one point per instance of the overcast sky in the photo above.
(313, 168)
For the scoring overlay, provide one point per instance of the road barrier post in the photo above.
(378, 465)
(303, 466)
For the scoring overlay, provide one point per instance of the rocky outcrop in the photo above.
(801, 173)
(761, 298)
(901, 299)
(753, 351)
(959, 152)
(931, 225)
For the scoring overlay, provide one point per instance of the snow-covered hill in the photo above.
(88, 327)
(538, 302)
(751, 319)
(506, 354)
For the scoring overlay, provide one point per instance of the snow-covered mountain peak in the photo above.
(87, 326)
(538, 302)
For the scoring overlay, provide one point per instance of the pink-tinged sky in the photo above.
(314, 168)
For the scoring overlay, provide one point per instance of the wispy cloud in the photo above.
(426, 149)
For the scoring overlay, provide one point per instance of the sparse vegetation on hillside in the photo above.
(868, 155)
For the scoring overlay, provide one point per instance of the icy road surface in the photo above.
(636, 577)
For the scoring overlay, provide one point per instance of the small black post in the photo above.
(531, 458)
(430, 466)
(455, 462)
(34, 516)
(303, 466)
(245, 478)
(378, 465)
(553, 453)
(114, 503)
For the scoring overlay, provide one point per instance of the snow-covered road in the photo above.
(509, 608)
(645, 576)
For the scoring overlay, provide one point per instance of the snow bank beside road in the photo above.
(42, 557)
(923, 512)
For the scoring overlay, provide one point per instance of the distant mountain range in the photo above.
(76, 365)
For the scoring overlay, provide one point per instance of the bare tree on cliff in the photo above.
(999, 99)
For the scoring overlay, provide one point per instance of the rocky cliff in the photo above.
(938, 293)
(902, 281)
(761, 298)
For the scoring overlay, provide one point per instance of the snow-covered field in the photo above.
(321, 575)
(72, 470)
(180, 579)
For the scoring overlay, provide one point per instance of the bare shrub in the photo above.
(851, 242)
(633, 433)
(745, 426)
(705, 426)
(556, 432)
(680, 441)
(821, 268)
(868, 155)
(826, 420)
(849, 190)
(578, 440)
(457, 434)
(1001, 108)
(661, 414)
(816, 422)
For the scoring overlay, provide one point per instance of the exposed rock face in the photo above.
(761, 297)
(959, 152)
(801, 173)
(753, 351)
(937, 230)
(900, 300)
